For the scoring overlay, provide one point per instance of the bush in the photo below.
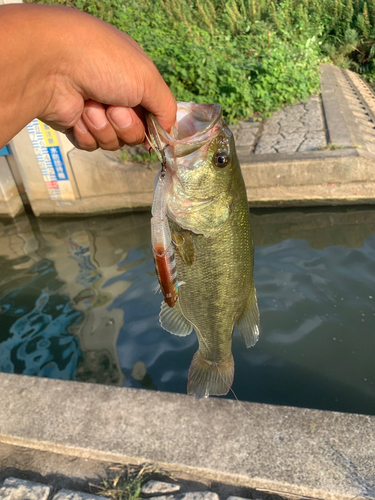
(251, 56)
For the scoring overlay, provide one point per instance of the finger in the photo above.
(165, 106)
(127, 123)
(95, 119)
(82, 139)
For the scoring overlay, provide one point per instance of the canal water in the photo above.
(77, 303)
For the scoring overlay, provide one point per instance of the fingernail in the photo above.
(121, 117)
(81, 126)
(97, 117)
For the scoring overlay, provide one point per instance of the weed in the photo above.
(333, 147)
(138, 154)
(125, 482)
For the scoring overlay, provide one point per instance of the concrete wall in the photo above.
(91, 182)
(10, 199)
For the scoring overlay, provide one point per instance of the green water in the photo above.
(77, 303)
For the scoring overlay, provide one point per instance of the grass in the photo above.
(333, 147)
(138, 154)
(126, 481)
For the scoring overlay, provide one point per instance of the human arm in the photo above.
(79, 75)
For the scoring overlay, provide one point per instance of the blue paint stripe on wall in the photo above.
(5, 151)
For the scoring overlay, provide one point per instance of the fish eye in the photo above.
(221, 159)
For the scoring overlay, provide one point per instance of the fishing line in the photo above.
(275, 435)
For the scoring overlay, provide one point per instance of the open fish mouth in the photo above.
(196, 126)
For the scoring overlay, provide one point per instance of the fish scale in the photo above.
(218, 280)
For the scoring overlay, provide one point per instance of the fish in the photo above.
(202, 242)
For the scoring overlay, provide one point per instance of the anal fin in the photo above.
(248, 323)
(172, 320)
(207, 378)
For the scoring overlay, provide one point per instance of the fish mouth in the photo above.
(196, 125)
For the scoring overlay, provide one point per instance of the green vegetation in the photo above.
(138, 154)
(251, 56)
(125, 482)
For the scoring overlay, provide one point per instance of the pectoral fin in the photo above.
(184, 246)
(248, 323)
(174, 321)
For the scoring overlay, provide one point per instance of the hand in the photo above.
(82, 76)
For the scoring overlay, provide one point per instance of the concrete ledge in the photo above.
(344, 177)
(319, 454)
(95, 205)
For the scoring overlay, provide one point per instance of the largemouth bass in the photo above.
(202, 242)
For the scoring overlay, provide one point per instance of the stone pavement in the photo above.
(296, 128)
(342, 117)
(18, 489)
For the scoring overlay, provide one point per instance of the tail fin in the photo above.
(207, 378)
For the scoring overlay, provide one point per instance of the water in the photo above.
(77, 303)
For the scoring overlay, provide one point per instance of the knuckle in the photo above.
(134, 137)
(110, 147)
(87, 148)
(86, 145)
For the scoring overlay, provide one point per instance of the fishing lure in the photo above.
(161, 238)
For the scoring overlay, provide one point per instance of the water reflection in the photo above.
(76, 302)
(35, 333)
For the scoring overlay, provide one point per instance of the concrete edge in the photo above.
(319, 154)
(288, 451)
(300, 179)
(258, 484)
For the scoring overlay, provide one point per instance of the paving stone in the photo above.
(198, 495)
(313, 141)
(266, 144)
(289, 127)
(295, 111)
(253, 126)
(17, 489)
(313, 104)
(312, 113)
(302, 129)
(162, 497)
(239, 498)
(75, 495)
(271, 127)
(152, 487)
(279, 115)
(313, 121)
(290, 143)
(191, 495)
(244, 137)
